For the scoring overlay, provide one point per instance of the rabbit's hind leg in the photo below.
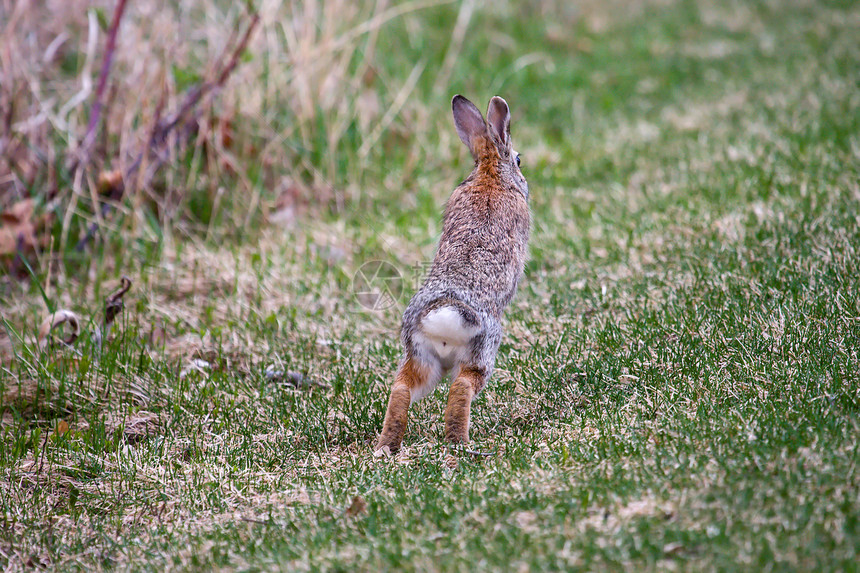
(465, 386)
(411, 380)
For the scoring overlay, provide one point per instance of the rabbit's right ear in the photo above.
(499, 118)
(469, 121)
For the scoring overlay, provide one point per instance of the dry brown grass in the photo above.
(310, 73)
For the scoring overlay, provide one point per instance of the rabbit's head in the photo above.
(490, 141)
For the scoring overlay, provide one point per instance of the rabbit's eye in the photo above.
(518, 159)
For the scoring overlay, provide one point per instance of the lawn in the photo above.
(679, 383)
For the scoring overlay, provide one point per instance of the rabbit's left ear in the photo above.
(499, 118)
(468, 121)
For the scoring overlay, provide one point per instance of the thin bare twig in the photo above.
(82, 155)
(472, 452)
(197, 93)
(113, 303)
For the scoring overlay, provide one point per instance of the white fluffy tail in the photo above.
(447, 333)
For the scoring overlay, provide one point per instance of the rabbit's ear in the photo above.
(468, 120)
(499, 118)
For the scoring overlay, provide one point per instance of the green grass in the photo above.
(677, 389)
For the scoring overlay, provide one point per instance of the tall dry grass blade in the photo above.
(454, 46)
(393, 109)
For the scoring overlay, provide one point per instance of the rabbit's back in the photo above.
(482, 250)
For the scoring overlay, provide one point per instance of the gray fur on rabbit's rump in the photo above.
(443, 333)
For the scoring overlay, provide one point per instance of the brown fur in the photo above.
(409, 376)
(486, 158)
(464, 388)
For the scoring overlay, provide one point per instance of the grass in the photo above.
(678, 386)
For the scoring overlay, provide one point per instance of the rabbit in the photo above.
(453, 323)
